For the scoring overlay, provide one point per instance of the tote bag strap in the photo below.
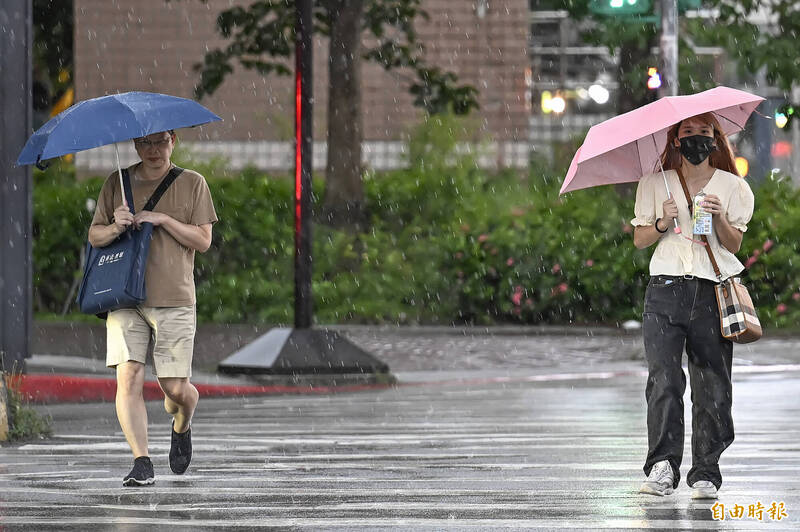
(126, 187)
(173, 174)
(703, 237)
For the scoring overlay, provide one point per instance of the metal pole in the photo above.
(16, 187)
(668, 48)
(795, 138)
(303, 164)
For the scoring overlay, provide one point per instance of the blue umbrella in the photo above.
(111, 119)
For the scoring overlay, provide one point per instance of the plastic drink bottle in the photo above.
(701, 218)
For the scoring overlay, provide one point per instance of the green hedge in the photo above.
(61, 217)
(448, 243)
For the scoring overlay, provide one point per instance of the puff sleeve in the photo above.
(645, 208)
(740, 205)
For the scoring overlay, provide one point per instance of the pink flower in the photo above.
(767, 245)
(516, 298)
(560, 289)
(556, 268)
(529, 302)
(483, 238)
(750, 261)
(589, 263)
(796, 296)
(465, 228)
(781, 308)
(756, 252)
(510, 261)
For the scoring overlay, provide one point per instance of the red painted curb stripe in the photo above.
(70, 389)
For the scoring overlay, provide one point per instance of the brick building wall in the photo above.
(152, 45)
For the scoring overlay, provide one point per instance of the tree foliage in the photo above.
(53, 27)
(756, 34)
(759, 34)
(261, 38)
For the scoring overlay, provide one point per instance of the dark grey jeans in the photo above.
(682, 312)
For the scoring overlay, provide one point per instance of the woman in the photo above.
(680, 308)
(163, 326)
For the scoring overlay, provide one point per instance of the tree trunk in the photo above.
(344, 205)
(633, 92)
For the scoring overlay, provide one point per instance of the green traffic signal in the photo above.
(620, 7)
(685, 5)
(635, 7)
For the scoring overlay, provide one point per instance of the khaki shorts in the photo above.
(165, 333)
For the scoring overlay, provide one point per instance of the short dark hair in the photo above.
(170, 132)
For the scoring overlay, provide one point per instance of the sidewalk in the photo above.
(414, 354)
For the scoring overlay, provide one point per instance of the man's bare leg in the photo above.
(180, 400)
(131, 410)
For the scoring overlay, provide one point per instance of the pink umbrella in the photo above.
(624, 148)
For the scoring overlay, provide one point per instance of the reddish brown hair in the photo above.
(721, 158)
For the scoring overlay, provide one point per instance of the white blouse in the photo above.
(676, 255)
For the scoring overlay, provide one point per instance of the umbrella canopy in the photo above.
(624, 148)
(110, 119)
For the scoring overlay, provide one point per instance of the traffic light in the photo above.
(653, 78)
(784, 115)
(620, 7)
(686, 5)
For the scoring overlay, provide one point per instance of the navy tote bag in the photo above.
(113, 277)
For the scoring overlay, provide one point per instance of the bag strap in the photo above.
(126, 187)
(703, 237)
(173, 174)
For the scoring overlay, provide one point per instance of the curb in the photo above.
(49, 389)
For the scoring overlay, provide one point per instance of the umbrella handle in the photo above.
(674, 220)
(677, 228)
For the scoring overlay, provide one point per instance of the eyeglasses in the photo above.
(144, 143)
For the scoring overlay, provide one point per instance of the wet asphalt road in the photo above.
(490, 444)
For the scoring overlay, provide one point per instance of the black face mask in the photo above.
(697, 148)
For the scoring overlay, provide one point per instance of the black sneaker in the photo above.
(141, 474)
(180, 452)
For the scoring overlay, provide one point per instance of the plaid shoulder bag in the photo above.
(737, 315)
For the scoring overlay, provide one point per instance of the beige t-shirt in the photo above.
(676, 255)
(169, 278)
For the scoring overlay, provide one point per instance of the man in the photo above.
(163, 326)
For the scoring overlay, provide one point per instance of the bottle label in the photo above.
(701, 218)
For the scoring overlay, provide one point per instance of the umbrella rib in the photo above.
(740, 126)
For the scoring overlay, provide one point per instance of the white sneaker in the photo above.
(704, 489)
(660, 480)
